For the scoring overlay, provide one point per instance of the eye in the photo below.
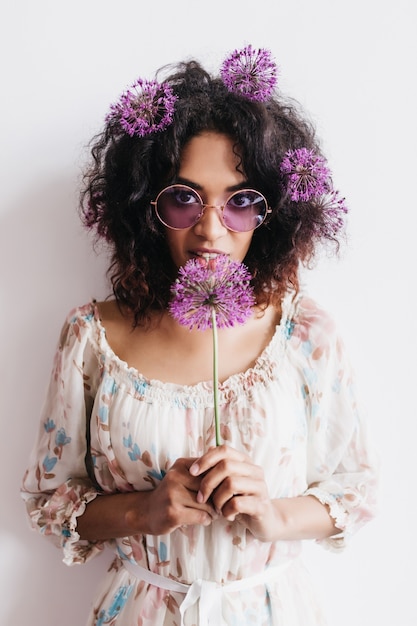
(183, 196)
(243, 199)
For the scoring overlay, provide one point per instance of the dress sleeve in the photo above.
(342, 465)
(56, 487)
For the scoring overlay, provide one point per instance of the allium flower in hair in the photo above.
(213, 293)
(250, 72)
(146, 107)
(307, 174)
(334, 209)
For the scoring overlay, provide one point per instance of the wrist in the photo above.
(136, 515)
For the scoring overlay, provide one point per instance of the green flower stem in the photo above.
(215, 378)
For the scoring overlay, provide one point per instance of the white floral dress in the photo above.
(294, 413)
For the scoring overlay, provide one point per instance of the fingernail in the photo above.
(194, 469)
(200, 497)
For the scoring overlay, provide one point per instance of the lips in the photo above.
(208, 258)
(208, 254)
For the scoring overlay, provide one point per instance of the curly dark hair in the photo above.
(127, 172)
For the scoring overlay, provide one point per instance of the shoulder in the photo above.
(78, 323)
(308, 313)
(314, 328)
(109, 312)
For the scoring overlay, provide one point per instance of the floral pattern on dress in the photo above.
(296, 407)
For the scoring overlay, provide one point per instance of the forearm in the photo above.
(305, 518)
(238, 490)
(113, 516)
(298, 518)
(122, 515)
(158, 511)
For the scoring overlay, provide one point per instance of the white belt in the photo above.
(208, 593)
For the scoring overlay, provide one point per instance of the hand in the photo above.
(174, 502)
(237, 489)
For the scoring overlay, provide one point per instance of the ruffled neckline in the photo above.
(261, 372)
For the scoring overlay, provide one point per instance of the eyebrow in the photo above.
(184, 181)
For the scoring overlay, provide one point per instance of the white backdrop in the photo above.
(353, 66)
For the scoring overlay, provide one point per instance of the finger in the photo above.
(238, 486)
(189, 500)
(179, 472)
(213, 456)
(178, 506)
(182, 491)
(194, 516)
(244, 506)
(228, 478)
(184, 515)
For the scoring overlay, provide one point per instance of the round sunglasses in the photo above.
(180, 206)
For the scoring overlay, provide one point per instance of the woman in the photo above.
(203, 172)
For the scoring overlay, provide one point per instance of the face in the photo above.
(208, 165)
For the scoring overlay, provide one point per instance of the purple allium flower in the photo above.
(218, 284)
(213, 293)
(147, 107)
(334, 209)
(307, 174)
(250, 73)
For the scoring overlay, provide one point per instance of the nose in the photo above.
(210, 226)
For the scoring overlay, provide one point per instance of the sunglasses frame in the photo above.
(154, 203)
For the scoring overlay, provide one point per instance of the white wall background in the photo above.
(353, 66)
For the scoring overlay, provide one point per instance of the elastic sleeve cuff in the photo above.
(56, 518)
(77, 550)
(338, 513)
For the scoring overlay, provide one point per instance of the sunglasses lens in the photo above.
(178, 206)
(245, 210)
